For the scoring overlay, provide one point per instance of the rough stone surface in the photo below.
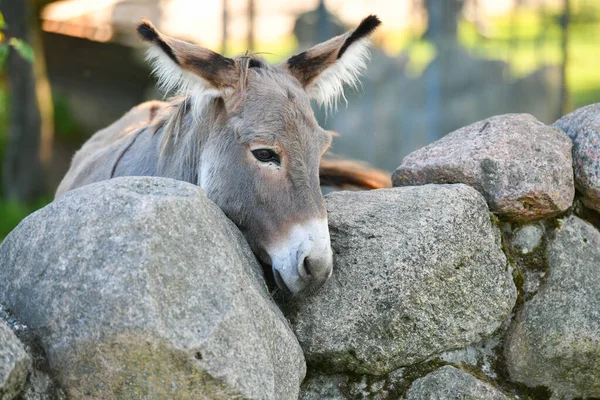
(41, 387)
(449, 383)
(482, 355)
(324, 387)
(527, 238)
(583, 127)
(365, 387)
(555, 339)
(521, 166)
(418, 270)
(14, 363)
(142, 288)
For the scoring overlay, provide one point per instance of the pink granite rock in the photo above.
(522, 167)
(583, 127)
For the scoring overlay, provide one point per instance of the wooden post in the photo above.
(22, 178)
(251, 17)
(225, 20)
(564, 94)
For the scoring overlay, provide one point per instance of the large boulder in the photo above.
(418, 270)
(521, 166)
(583, 127)
(15, 363)
(450, 383)
(555, 339)
(142, 288)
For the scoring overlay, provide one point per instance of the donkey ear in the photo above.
(186, 67)
(325, 68)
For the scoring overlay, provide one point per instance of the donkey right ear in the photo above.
(324, 69)
(186, 67)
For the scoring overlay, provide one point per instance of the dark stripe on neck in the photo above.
(114, 168)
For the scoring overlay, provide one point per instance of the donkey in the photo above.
(244, 131)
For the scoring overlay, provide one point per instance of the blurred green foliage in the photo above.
(11, 213)
(65, 125)
(526, 40)
(17, 44)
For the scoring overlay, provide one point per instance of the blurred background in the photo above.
(71, 67)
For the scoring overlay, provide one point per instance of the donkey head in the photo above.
(260, 153)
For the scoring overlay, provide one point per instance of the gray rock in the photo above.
(532, 282)
(583, 127)
(418, 270)
(521, 166)
(482, 355)
(41, 387)
(15, 363)
(527, 238)
(142, 288)
(449, 383)
(555, 339)
(365, 387)
(323, 387)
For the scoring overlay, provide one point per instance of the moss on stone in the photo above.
(512, 389)
(519, 281)
(583, 212)
(412, 373)
(152, 370)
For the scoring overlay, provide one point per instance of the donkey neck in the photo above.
(182, 137)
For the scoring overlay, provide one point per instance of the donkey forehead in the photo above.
(272, 89)
(276, 109)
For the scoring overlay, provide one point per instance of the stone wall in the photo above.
(476, 277)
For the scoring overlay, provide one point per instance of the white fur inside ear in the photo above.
(328, 87)
(174, 79)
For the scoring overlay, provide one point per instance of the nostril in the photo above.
(307, 268)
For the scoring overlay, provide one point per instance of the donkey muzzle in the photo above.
(303, 262)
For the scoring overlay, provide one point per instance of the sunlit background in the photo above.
(71, 67)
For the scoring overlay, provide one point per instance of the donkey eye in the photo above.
(266, 155)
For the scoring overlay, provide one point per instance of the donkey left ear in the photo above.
(324, 69)
(187, 67)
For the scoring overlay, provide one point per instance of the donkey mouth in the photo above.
(274, 281)
(281, 283)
